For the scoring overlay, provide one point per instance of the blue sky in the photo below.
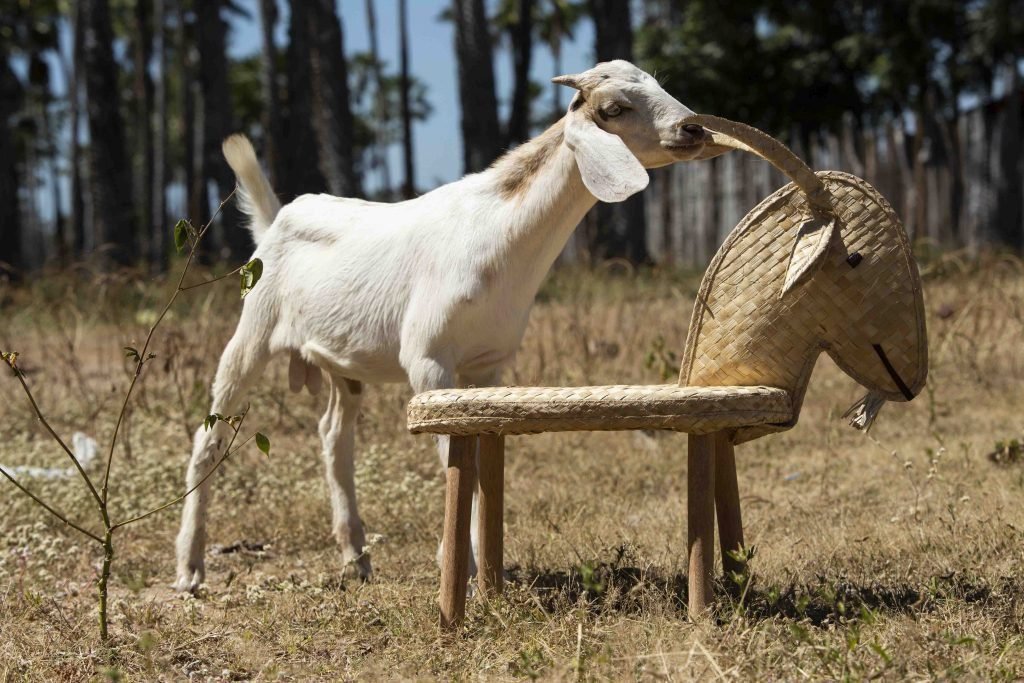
(432, 60)
(438, 140)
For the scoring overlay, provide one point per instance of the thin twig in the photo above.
(39, 416)
(149, 337)
(49, 509)
(227, 453)
(216, 279)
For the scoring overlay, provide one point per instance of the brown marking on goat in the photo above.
(517, 168)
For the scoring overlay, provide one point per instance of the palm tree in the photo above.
(409, 182)
(516, 18)
(378, 150)
(158, 240)
(109, 173)
(10, 96)
(271, 97)
(481, 135)
(217, 119)
(622, 227)
(332, 112)
(554, 26)
(142, 85)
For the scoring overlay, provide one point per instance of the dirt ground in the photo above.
(895, 554)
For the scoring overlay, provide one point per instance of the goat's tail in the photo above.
(256, 198)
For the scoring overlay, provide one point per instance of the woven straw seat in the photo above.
(530, 410)
(820, 265)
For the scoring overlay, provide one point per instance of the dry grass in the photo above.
(895, 555)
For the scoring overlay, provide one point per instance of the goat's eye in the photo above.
(612, 109)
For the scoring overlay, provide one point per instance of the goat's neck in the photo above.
(536, 217)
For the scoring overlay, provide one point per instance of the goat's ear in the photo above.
(809, 249)
(609, 169)
(570, 80)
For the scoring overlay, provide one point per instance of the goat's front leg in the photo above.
(337, 430)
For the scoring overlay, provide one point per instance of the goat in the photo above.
(434, 290)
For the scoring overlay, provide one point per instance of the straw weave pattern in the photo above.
(529, 410)
(744, 332)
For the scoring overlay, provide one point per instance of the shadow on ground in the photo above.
(613, 587)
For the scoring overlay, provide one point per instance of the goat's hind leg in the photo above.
(242, 362)
(337, 430)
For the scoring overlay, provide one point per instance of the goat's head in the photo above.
(793, 280)
(622, 122)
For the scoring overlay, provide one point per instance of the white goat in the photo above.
(432, 290)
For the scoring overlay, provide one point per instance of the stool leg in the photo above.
(458, 518)
(491, 515)
(727, 502)
(700, 499)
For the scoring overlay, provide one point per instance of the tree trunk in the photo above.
(622, 227)
(481, 135)
(518, 129)
(299, 152)
(10, 246)
(196, 204)
(158, 239)
(1008, 228)
(142, 42)
(408, 161)
(109, 171)
(217, 122)
(73, 74)
(332, 113)
(269, 85)
(379, 148)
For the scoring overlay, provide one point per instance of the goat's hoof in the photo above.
(358, 568)
(189, 580)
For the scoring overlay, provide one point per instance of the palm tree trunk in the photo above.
(158, 240)
(481, 135)
(110, 173)
(622, 228)
(408, 161)
(379, 148)
(332, 113)
(217, 121)
(143, 92)
(522, 53)
(196, 205)
(299, 152)
(1009, 231)
(271, 97)
(72, 73)
(10, 216)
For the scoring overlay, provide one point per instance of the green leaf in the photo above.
(181, 230)
(211, 420)
(263, 443)
(131, 352)
(251, 273)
